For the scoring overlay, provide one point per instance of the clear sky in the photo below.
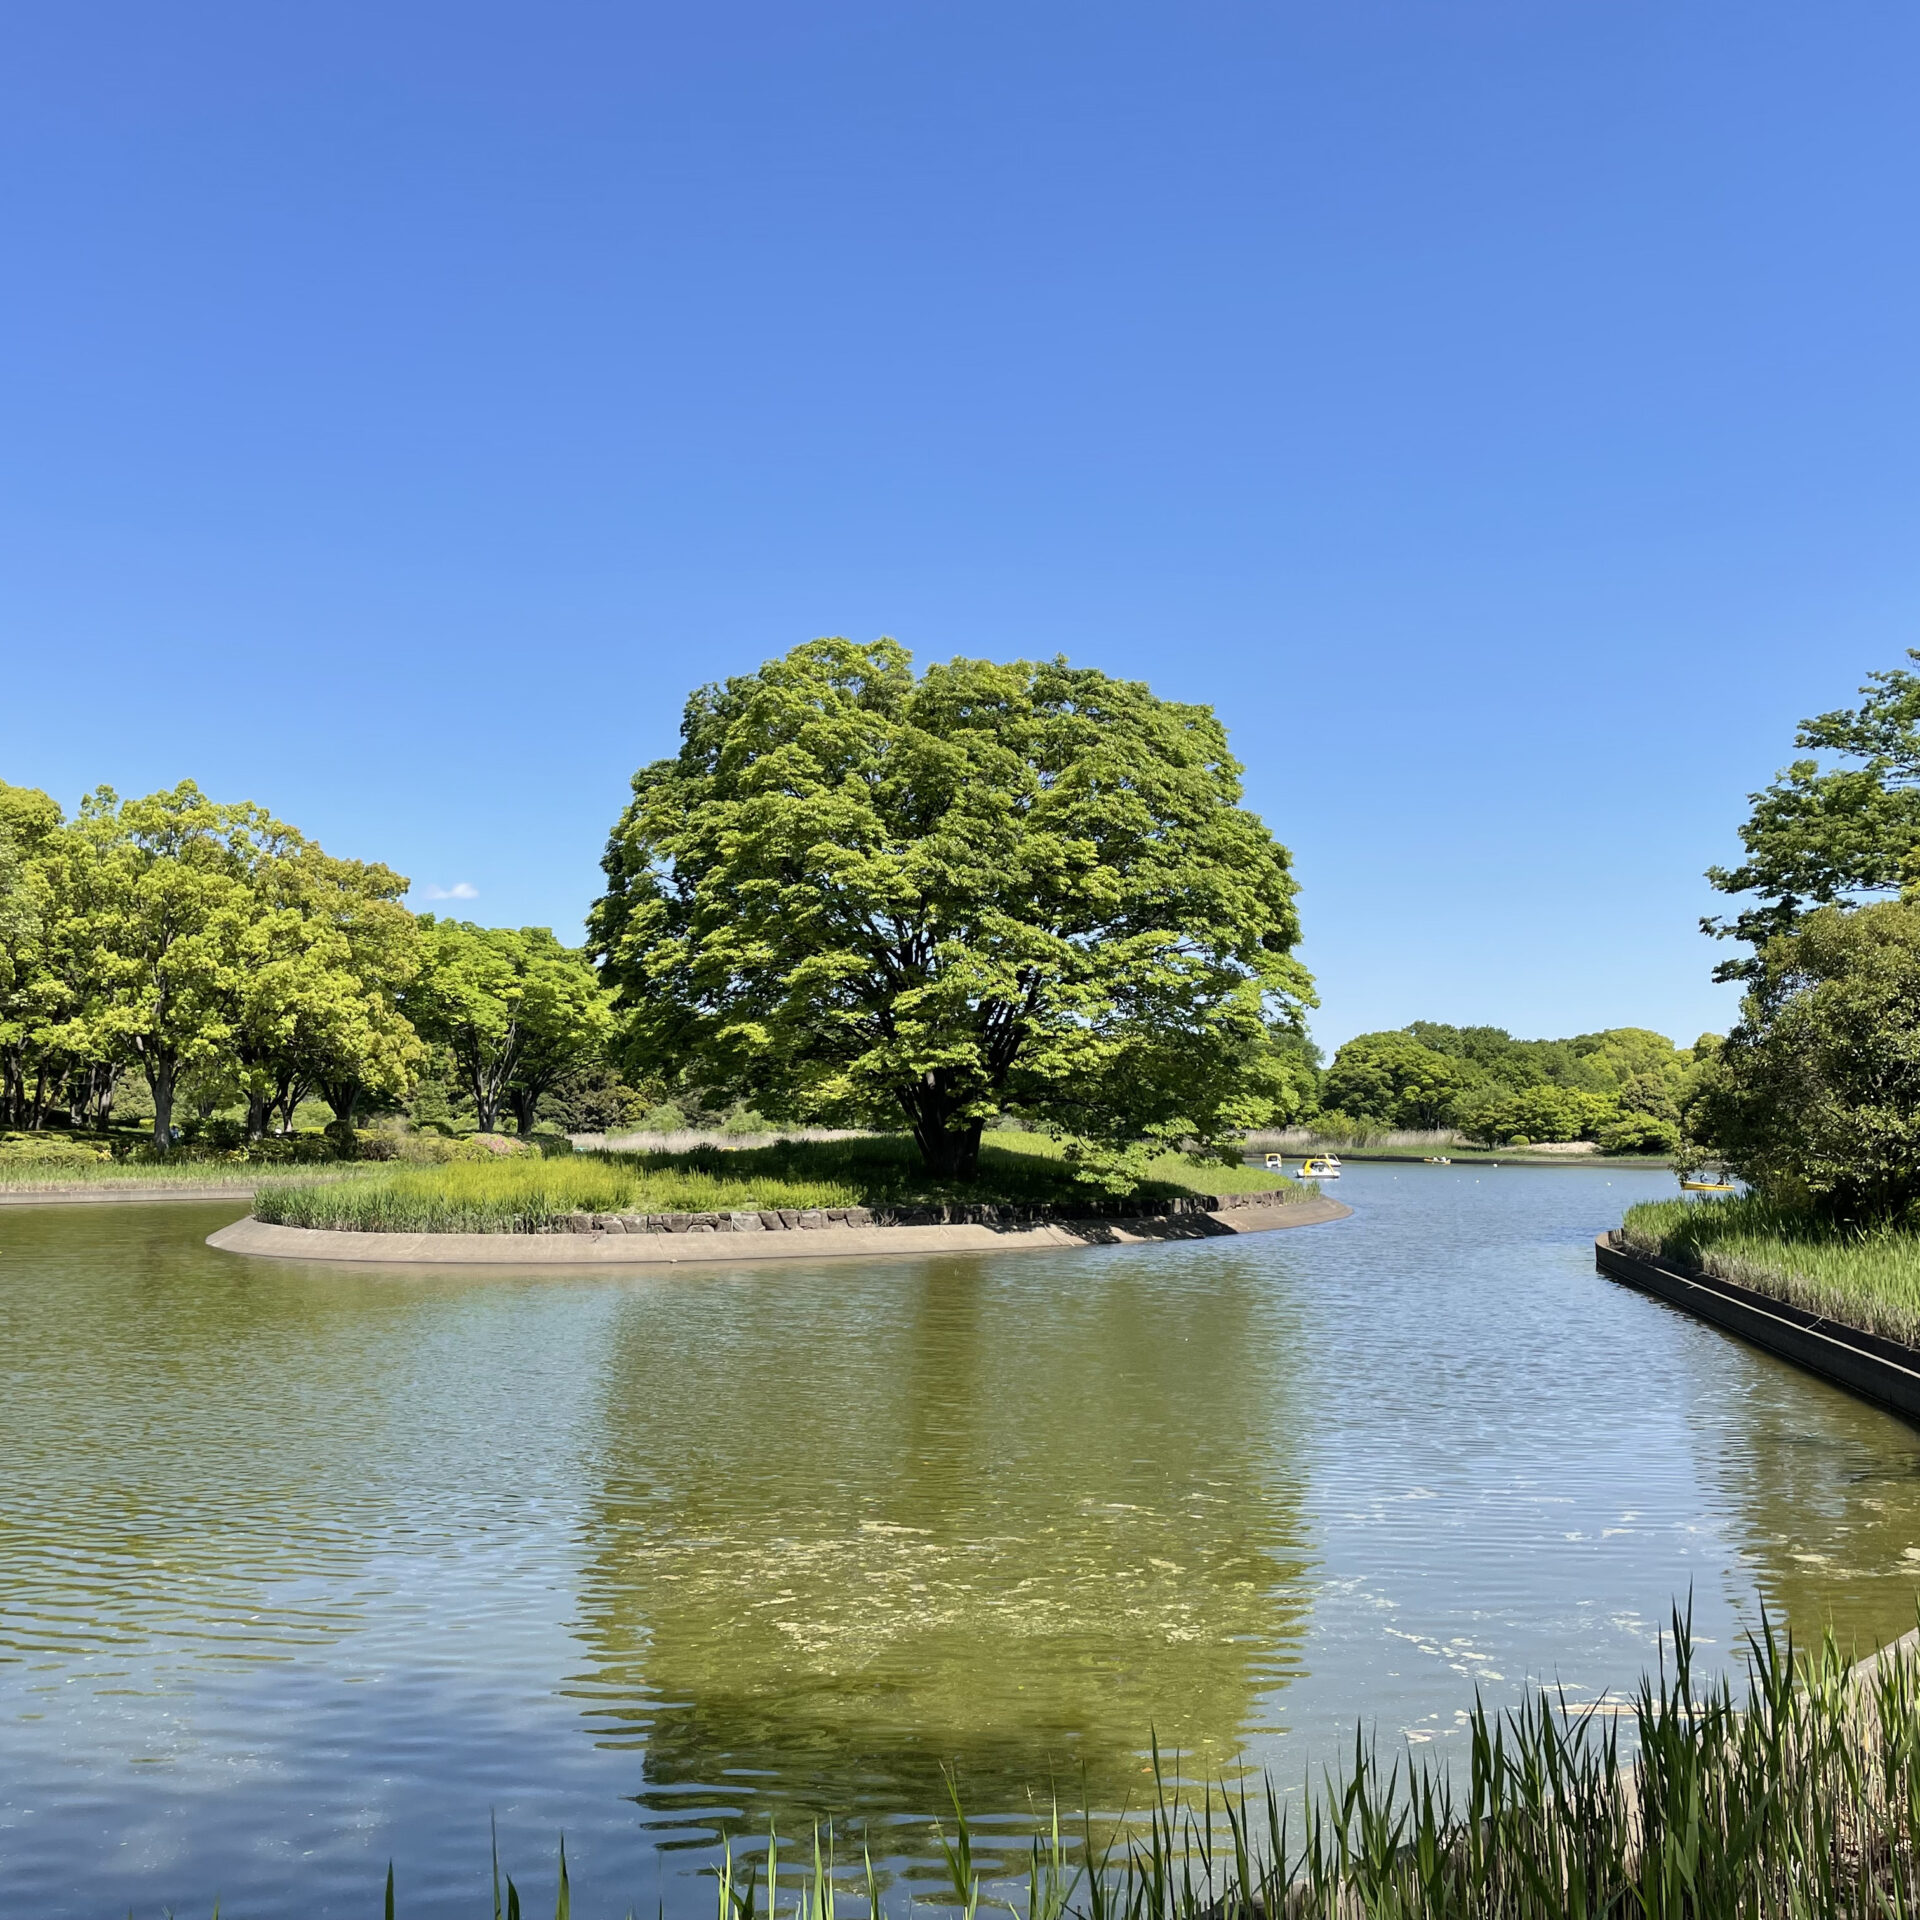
(1504, 414)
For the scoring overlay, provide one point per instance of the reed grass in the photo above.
(1798, 1799)
(55, 1175)
(526, 1196)
(1862, 1277)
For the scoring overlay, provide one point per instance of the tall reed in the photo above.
(1863, 1277)
(1798, 1800)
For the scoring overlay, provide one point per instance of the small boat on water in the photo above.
(1320, 1166)
(1708, 1186)
(1438, 1160)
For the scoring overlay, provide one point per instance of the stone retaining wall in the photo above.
(801, 1220)
(1867, 1364)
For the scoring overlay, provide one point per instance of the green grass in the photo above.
(1865, 1279)
(1798, 1800)
(523, 1196)
(53, 1174)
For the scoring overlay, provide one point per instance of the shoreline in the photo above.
(1867, 1364)
(259, 1239)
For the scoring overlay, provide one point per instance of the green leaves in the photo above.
(514, 1007)
(1815, 1097)
(1833, 836)
(858, 895)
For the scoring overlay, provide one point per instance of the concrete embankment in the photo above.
(828, 1241)
(1875, 1368)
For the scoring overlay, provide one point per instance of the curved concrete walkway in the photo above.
(252, 1236)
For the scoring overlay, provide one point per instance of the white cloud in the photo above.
(460, 890)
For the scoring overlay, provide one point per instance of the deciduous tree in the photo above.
(514, 1008)
(1831, 835)
(1815, 1095)
(861, 894)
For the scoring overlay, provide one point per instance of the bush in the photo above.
(50, 1149)
(1638, 1133)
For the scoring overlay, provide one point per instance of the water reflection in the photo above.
(1827, 1488)
(861, 1524)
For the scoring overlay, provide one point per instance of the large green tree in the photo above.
(861, 893)
(1392, 1079)
(1815, 1095)
(35, 996)
(1831, 835)
(161, 891)
(514, 1008)
(326, 950)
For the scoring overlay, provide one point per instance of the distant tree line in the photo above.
(215, 957)
(862, 895)
(1624, 1088)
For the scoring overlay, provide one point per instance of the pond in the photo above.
(303, 1569)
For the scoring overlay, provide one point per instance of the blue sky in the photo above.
(1504, 414)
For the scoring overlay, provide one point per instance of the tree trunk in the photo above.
(343, 1096)
(525, 1107)
(259, 1112)
(287, 1095)
(37, 1116)
(10, 1088)
(160, 1081)
(949, 1146)
(103, 1082)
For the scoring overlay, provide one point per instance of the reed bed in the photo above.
(1862, 1277)
(524, 1195)
(1355, 1135)
(56, 1175)
(1798, 1799)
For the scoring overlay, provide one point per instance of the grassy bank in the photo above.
(1869, 1280)
(524, 1195)
(1798, 1797)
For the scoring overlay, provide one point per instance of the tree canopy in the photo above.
(858, 893)
(1620, 1087)
(1815, 1097)
(213, 948)
(1830, 835)
(514, 1008)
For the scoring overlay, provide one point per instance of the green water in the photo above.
(304, 1568)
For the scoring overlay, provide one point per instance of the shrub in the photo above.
(51, 1149)
(1638, 1133)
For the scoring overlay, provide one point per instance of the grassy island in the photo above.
(525, 1194)
(1867, 1278)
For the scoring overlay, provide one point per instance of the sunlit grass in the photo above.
(1863, 1278)
(524, 1195)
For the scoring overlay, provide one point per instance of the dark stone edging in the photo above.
(972, 1214)
(1868, 1364)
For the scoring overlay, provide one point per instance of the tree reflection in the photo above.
(1006, 1516)
(1828, 1488)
